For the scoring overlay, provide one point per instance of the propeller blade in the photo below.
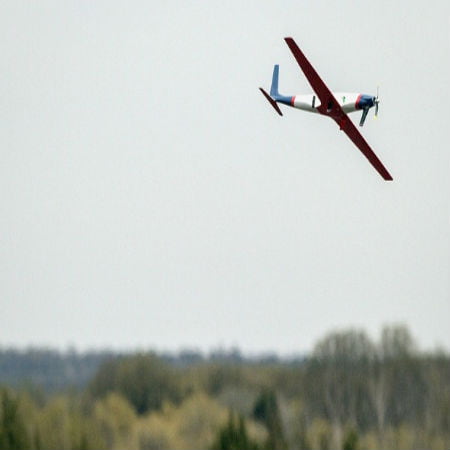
(377, 101)
(363, 117)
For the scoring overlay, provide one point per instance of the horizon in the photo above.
(220, 350)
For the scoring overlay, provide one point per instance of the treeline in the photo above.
(350, 393)
(54, 371)
(50, 370)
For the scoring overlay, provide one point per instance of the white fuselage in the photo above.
(347, 101)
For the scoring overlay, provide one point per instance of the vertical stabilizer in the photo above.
(274, 88)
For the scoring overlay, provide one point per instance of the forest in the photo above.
(350, 392)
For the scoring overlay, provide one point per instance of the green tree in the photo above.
(350, 441)
(143, 379)
(116, 418)
(191, 425)
(64, 424)
(266, 411)
(13, 434)
(234, 436)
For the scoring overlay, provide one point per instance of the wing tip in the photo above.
(289, 40)
(384, 173)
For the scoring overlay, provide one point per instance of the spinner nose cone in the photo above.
(366, 101)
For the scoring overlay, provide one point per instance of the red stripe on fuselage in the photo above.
(357, 101)
(293, 100)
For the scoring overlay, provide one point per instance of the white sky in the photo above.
(151, 197)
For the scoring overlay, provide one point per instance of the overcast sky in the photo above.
(151, 197)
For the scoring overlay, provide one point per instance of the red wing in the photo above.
(319, 87)
(351, 131)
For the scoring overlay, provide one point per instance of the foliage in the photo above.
(191, 425)
(266, 410)
(234, 436)
(12, 429)
(350, 441)
(143, 379)
(351, 393)
(115, 418)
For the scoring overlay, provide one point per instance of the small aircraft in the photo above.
(334, 105)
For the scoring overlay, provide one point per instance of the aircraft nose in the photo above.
(366, 101)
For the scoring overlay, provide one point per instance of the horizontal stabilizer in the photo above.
(271, 101)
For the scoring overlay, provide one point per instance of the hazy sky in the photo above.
(151, 197)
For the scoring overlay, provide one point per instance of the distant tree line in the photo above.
(50, 370)
(350, 393)
(55, 371)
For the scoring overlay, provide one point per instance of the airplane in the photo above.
(334, 105)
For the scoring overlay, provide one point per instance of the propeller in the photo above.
(366, 106)
(377, 101)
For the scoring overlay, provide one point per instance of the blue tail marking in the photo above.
(274, 88)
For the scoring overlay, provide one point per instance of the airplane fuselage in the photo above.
(348, 101)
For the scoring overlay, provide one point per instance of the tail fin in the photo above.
(274, 88)
(274, 94)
